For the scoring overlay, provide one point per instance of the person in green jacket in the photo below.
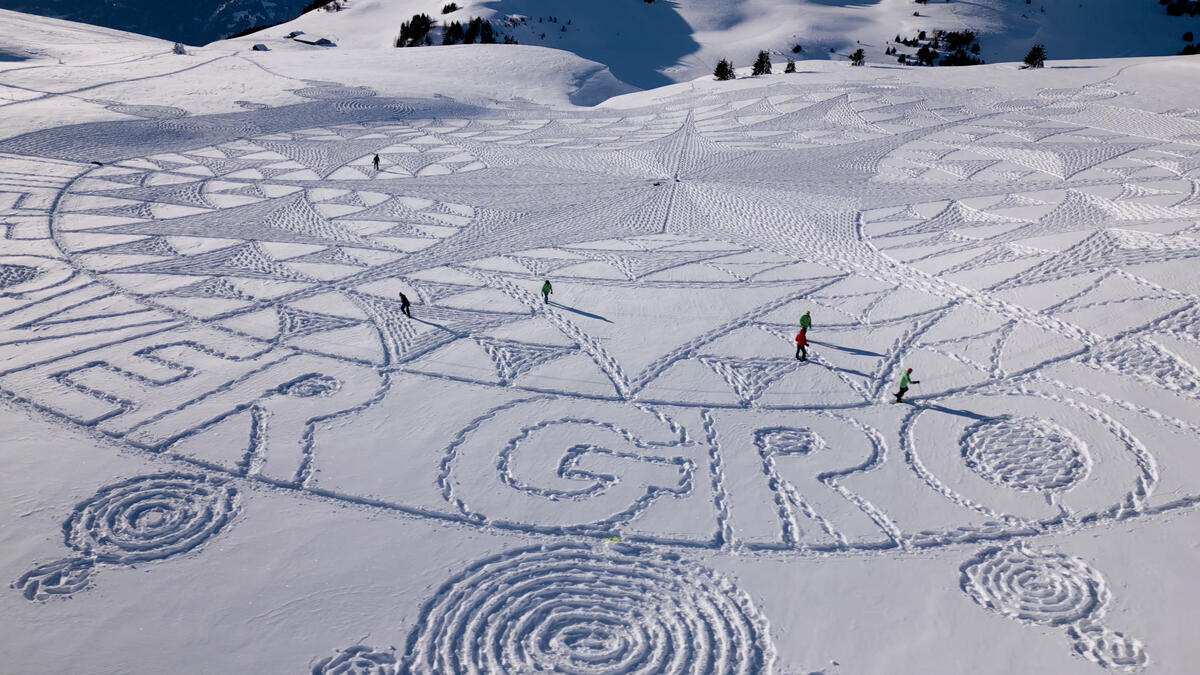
(805, 321)
(547, 289)
(905, 380)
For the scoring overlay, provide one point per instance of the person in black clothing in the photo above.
(404, 305)
(376, 162)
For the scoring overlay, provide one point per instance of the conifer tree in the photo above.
(762, 64)
(1036, 58)
(724, 70)
(452, 34)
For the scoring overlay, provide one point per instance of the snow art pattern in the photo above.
(1051, 589)
(357, 661)
(569, 609)
(221, 293)
(143, 519)
(1025, 454)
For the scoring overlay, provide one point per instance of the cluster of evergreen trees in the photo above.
(476, 29)
(762, 66)
(961, 49)
(327, 5)
(1181, 7)
(958, 43)
(415, 31)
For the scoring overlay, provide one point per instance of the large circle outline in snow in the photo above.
(150, 518)
(1114, 478)
(574, 609)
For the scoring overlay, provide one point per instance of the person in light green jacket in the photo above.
(905, 380)
(547, 289)
(805, 321)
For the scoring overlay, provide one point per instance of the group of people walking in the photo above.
(802, 355)
(906, 379)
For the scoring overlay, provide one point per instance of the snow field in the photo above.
(219, 404)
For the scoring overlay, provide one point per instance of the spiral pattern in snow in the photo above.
(1041, 587)
(150, 518)
(570, 609)
(357, 660)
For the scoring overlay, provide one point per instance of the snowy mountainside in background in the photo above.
(230, 448)
(652, 44)
(194, 22)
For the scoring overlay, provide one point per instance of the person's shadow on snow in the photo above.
(849, 350)
(578, 311)
(954, 411)
(439, 326)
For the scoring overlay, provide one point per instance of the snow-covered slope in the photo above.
(228, 447)
(650, 44)
(191, 22)
(26, 37)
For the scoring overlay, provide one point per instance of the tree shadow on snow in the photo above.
(604, 32)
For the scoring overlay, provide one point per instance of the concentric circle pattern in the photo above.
(574, 610)
(1025, 453)
(1040, 587)
(150, 518)
(357, 660)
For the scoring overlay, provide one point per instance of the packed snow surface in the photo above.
(228, 449)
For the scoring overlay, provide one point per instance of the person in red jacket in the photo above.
(802, 345)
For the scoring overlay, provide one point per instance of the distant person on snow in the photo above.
(805, 321)
(376, 162)
(547, 289)
(404, 305)
(905, 380)
(802, 345)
